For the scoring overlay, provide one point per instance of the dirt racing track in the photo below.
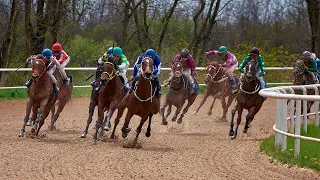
(199, 148)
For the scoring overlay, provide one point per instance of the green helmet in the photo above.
(223, 49)
(117, 51)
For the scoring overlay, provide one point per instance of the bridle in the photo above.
(44, 69)
(110, 75)
(146, 60)
(213, 76)
(253, 77)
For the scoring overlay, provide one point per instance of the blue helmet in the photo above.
(47, 52)
(151, 53)
(109, 51)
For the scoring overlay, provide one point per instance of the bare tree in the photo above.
(314, 20)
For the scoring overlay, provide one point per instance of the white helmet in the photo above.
(313, 56)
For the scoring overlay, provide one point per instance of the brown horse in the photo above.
(247, 98)
(40, 96)
(217, 86)
(177, 95)
(299, 76)
(111, 97)
(142, 101)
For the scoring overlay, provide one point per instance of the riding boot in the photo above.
(158, 85)
(56, 86)
(93, 84)
(133, 85)
(28, 84)
(191, 86)
(64, 76)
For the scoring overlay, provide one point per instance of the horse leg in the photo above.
(202, 102)
(148, 133)
(39, 116)
(252, 112)
(53, 110)
(116, 121)
(89, 120)
(238, 122)
(33, 116)
(106, 122)
(99, 123)
(135, 141)
(178, 110)
(26, 118)
(162, 110)
(225, 109)
(233, 112)
(169, 110)
(185, 110)
(125, 129)
(211, 107)
(44, 115)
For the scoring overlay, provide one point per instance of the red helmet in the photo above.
(57, 47)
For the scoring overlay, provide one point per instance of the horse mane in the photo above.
(213, 63)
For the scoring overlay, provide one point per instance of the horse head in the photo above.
(108, 72)
(212, 71)
(298, 73)
(177, 80)
(251, 71)
(146, 67)
(38, 69)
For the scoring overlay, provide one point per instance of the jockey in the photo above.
(231, 62)
(63, 60)
(311, 64)
(121, 64)
(254, 56)
(189, 67)
(156, 69)
(100, 63)
(50, 63)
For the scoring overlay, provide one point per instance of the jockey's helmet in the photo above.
(306, 54)
(223, 49)
(117, 51)
(151, 53)
(313, 56)
(254, 51)
(184, 53)
(47, 53)
(109, 51)
(57, 47)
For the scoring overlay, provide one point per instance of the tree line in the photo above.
(87, 28)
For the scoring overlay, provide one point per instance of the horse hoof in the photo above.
(106, 128)
(52, 128)
(209, 113)
(165, 123)
(234, 137)
(148, 134)
(33, 130)
(245, 131)
(194, 112)
(231, 133)
(94, 142)
(124, 135)
(174, 119)
(179, 121)
(29, 123)
(21, 134)
(84, 135)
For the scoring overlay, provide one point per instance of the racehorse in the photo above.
(41, 96)
(299, 76)
(142, 100)
(111, 97)
(247, 98)
(177, 95)
(218, 87)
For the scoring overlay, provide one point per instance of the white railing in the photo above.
(282, 95)
(94, 68)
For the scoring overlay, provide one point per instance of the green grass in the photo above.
(9, 94)
(76, 92)
(309, 151)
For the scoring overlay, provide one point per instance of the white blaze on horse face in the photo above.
(148, 70)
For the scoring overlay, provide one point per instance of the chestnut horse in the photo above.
(217, 86)
(142, 101)
(177, 95)
(111, 97)
(247, 98)
(41, 97)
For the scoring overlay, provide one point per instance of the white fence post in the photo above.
(297, 128)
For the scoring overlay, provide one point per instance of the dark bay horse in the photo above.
(111, 97)
(41, 97)
(299, 76)
(142, 101)
(217, 86)
(247, 98)
(177, 95)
